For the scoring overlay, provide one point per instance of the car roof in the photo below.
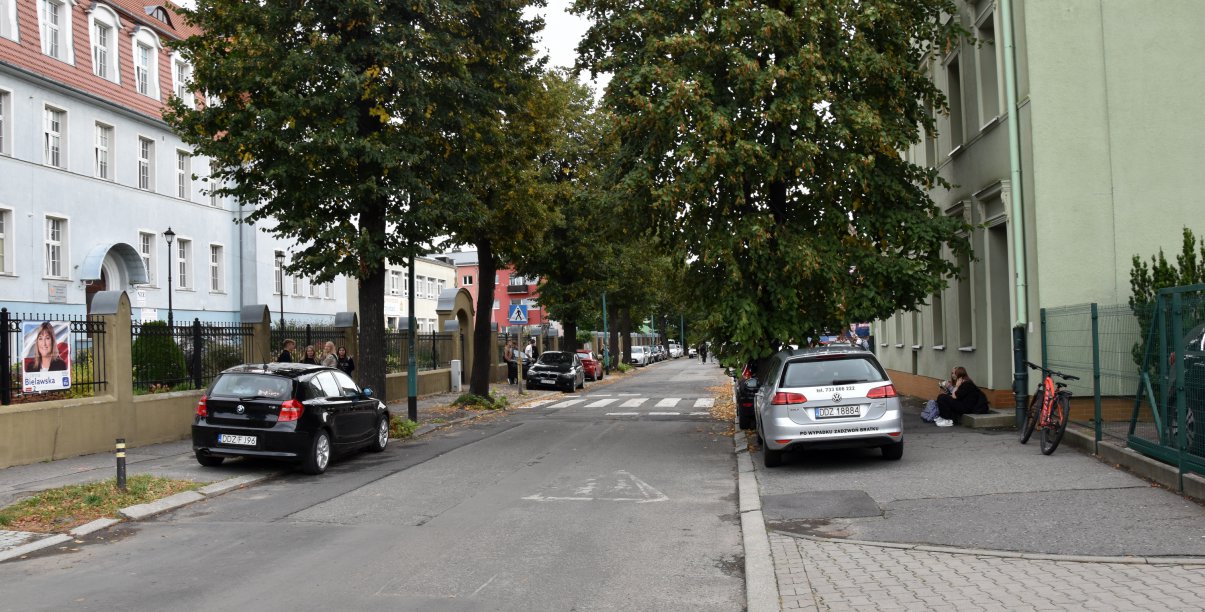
(277, 368)
(817, 351)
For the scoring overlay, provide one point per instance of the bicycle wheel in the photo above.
(1052, 434)
(1031, 416)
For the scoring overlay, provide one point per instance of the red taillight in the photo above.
(746, 404)
(202, 409)
(290, 411)
(746, 374)
(782, 399)
(881, 392)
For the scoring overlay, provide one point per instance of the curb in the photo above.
(761, 583)
(137, 512)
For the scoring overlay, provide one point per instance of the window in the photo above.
(184, 261)
(146, 62)
(56, 236)
(104, 60)
(278, 268)
(296, 285)
(313, 288)
(329, 290)
(216, 277)
(5, 104)
(142, 69)
(939, 323)
(986, 58)
(395, 282)
(55, 122)
(146, 248)
(181, 74)
(6, 258)
(440, 285)
(466, 281)
(954, 93)
(495, 304)
(406, 289)
(103, 162)
(8, 19)
(146, 163)
(965, 312)
(54, 17)
(183, 175)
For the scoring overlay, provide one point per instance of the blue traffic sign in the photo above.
(518, 314)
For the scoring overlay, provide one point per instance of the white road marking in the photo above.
(487, 583)
(632, 403)
(568, 403)
(705, 402)
(601, 403)
(622, 487)
(623, 414)
(538, 403)
(664, 413)
(627, 394)
(699, 413)
(668, 402)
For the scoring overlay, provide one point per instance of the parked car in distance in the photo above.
(693, 352)
(592, 364)
(658, 352)
(827, 397)
(641, 356)
(293, 412)
(675, 350)
(558, 369)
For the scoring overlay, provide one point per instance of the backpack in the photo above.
(930, 413)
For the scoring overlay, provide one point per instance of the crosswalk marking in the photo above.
(699, 413)
(664, 413)
(632, 403)
(668, 402)
(601, 403)
(632, 414)
(568, 403)
(623, 414)
(705, 402)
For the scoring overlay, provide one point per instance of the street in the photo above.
(590, 501)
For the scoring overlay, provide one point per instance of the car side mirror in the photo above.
(367, 391)
(751, 384)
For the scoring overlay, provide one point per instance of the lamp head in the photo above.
(169, 235)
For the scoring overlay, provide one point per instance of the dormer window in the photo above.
(103, 28)
(146, 62)
(160, 13)
(54, 20)
(181, 75)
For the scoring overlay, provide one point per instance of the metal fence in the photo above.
(78, 348)
(189, 356)
(306, 335)
(432, 350)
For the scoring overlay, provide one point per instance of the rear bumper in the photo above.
(274, 445)
(783, 433)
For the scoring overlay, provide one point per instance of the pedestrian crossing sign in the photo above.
(518, 314)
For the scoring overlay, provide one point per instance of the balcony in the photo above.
(512, 289)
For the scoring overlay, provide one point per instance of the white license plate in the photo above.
(832, 412)
(239, 440)
(549, 381)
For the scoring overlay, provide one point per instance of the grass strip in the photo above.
(64, 508)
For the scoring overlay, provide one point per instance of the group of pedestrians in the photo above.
(513, 357)
(329, 357)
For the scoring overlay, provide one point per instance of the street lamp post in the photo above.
(170, 236)
(280, 282)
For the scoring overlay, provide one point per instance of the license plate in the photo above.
(549, 381)
(239, 440)
(831, 412)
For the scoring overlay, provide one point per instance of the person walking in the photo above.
(328, 355)
(286, 351)
(703, 352)
(511, 355)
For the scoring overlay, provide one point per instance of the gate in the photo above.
(1171, 388)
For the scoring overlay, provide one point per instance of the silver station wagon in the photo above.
(828, 397)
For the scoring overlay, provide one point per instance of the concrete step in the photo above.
(995, 418)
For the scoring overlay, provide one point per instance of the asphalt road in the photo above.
(605, 504)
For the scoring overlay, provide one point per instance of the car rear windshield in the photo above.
(253, 386)
(556, 358)
(843, 370)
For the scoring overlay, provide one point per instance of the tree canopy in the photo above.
(763, 139)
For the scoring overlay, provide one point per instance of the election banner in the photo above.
(47, 356)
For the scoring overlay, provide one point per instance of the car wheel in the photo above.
(209, 460)
(893, 452)
(772, 458)
(320, 454)
(378, 443)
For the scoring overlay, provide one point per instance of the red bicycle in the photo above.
(1049, 409)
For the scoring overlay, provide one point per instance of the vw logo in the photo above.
(240, 409)
(836, 398)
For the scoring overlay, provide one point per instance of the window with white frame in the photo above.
(495, 304)
(216, 276)
(466, 280)
(146, 248)
(146, 163)
(405, 288)
(146, 62)
(279, 273)
(328, 290)
(181, 75)
(53, 132)
(8, 19)
(55, 241)
(54, 20)
(6, 243)
(313, 288)
(183, 175)
(296, 285)
(103, 26)
(395, 282)
(184, 262)
(102, 152)
(440, 285)
(989, 69)
(5, 120)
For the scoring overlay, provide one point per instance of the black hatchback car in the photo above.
(289, 411)
(557, 369)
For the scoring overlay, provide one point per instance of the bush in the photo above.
(470, 401)
(401, 428)
(624, 368)
(158, 360)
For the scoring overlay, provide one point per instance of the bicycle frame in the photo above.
(1049, 394)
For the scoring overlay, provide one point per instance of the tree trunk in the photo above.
(570, 342)
(370, 363)
(613, 341)
(625, 330)
(483, 353)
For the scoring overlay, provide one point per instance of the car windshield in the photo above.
(556, 358)
(831, 371)
(252, 386)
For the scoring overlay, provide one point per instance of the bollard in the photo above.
(121, 464)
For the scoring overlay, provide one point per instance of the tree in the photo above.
(320, 115)
(765, 138)
(1146, 281)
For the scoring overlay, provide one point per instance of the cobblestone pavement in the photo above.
(835, 575)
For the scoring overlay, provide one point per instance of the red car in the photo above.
(594, 369)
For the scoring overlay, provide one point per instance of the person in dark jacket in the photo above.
(960, 395)
(286, 351)
(310, 356)
(345, 362)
